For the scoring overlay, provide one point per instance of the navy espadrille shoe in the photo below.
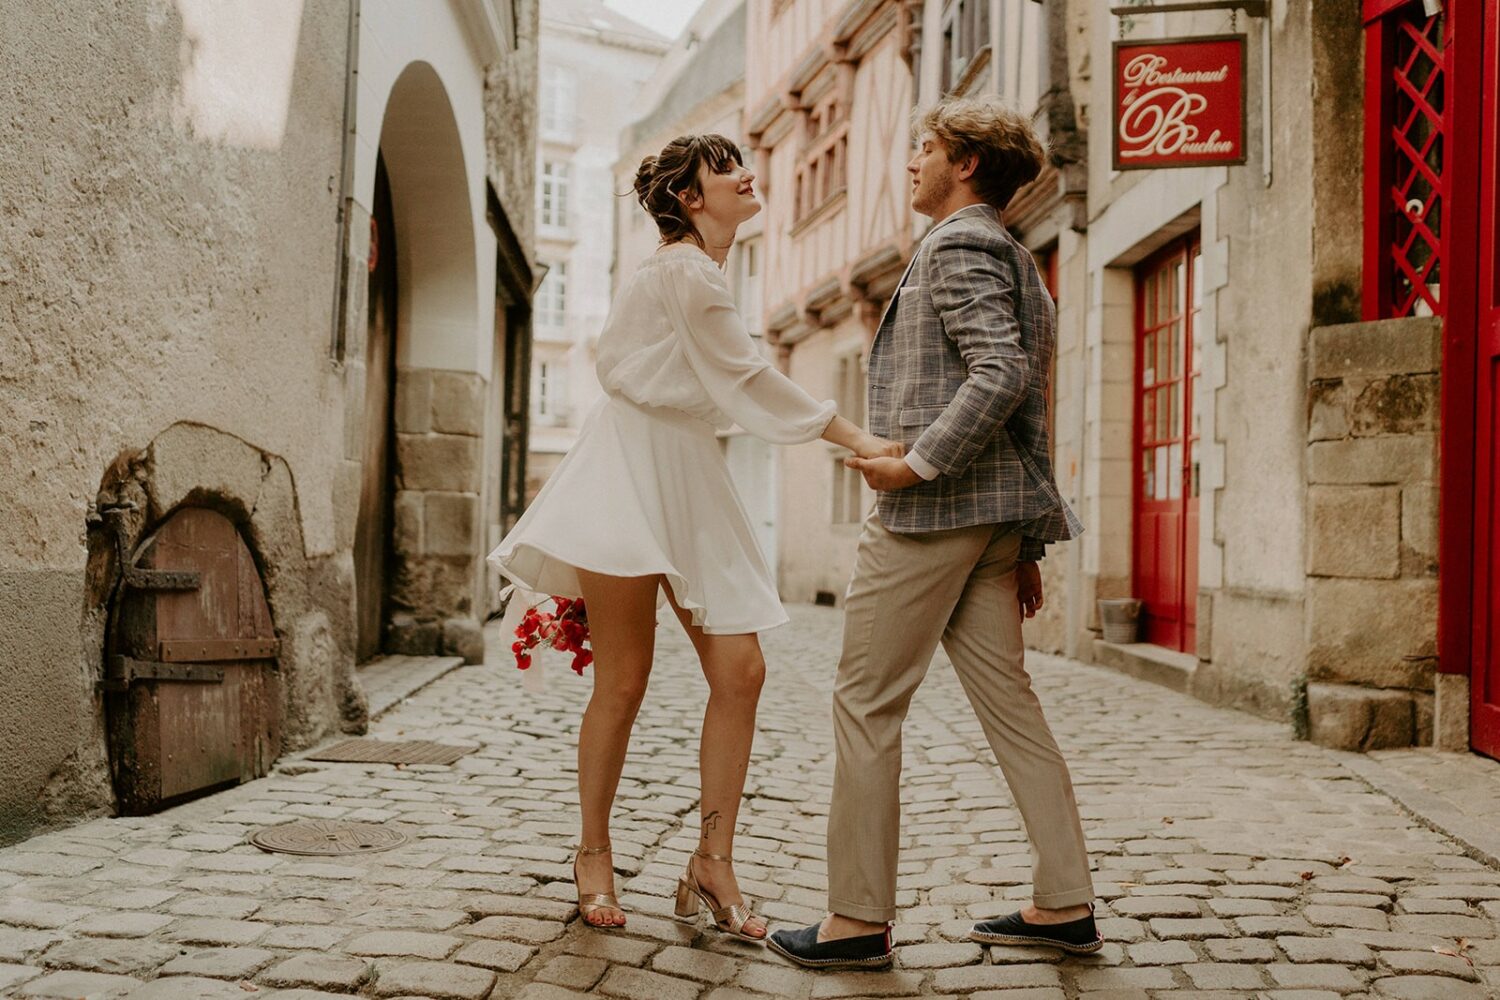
(871, 951)
(1079, 937)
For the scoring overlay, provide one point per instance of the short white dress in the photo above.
(645, 489)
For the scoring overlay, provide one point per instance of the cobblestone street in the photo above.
(1232, 862)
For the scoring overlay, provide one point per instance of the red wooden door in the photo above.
(1166, 453)
(1485, 679)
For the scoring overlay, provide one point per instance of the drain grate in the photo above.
(328, 837)
(367, 751)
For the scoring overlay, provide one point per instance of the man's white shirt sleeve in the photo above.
(921, 466)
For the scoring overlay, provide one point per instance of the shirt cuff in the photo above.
(1032, 550)
(922, 467)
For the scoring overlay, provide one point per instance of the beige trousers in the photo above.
(910, 592)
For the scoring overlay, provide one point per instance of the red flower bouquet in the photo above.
(565, 629)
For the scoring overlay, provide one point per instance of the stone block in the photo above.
(406, 527)
(1450, 714)
(220, 963)
(1377, 632)
(1398, 459)
(1328, 411)
(441, 462)
(1399, 404)
(1422, 717)
(318, 972)
(502, 956)
(458, 403)
(1430, 988)
(412, 636)
(414, 944)
(438, 980)
(71, 985)
(413, 400)
(1419, 529)
(1383, 347)
(188, 988)
(118, 956)
(1354, 531)
(450, 524)
(1354, 718)
(573, 971)
(464, 637)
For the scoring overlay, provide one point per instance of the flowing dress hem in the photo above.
(682, 590)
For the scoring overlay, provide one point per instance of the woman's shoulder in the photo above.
(682, 260)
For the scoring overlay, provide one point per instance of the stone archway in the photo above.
(439, 391)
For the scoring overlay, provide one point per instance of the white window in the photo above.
(549, 391)
(966, 31)
(559, 103)
(748, 287)
(554, 195)
(552, 296)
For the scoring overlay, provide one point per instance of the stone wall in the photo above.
(1371, 616)
(436, 533)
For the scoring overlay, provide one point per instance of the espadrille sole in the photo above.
(836, 964)
(1020, 939)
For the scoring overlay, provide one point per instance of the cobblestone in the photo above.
(1233, 863)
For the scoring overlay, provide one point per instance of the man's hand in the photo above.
(1029, 588)
(885, 474)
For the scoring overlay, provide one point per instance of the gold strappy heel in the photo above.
(595, 901)
(729, 920)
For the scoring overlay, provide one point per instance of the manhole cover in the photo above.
(366, 751)
(328, 837)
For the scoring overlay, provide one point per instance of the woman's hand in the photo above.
(868, 445)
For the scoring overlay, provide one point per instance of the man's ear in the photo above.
(968, 166)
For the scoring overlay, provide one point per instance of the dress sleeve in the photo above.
(741, 383)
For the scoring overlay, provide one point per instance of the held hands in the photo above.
(885, 473)
(868, 445)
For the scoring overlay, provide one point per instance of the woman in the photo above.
(643, 506)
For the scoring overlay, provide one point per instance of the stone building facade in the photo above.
(1278, 512)
(593, 63)
(273, 264)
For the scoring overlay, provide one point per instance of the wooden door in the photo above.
(1166, 454)
(1484, 685)
(192, 694)
(373, 529)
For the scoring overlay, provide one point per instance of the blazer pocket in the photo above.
(920, 416)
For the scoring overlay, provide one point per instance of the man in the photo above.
(958, 373)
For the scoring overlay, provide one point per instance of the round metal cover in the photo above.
(328, 837)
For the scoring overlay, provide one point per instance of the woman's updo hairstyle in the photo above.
(674, 171)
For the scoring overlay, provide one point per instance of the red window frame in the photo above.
(1181, 632)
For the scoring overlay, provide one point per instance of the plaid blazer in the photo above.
(958, 373)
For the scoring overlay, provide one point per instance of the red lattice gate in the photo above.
(1406, 80)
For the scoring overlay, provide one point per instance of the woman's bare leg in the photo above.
(735, 670)
(622, 630)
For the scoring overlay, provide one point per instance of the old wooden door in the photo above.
(1166, 482)
(192, 693)
(1484, 685)
(373, 529)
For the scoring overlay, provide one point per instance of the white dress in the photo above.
(645, 490)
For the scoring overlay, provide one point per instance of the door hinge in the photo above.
(126, 671)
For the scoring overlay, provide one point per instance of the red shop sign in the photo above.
(1179, 102)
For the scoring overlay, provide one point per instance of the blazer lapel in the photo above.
(891, 305)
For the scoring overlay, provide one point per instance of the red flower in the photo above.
(566, 630)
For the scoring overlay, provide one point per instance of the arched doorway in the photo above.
(436, 336)
(372, 532)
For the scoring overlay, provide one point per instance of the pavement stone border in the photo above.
(1480, 840)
